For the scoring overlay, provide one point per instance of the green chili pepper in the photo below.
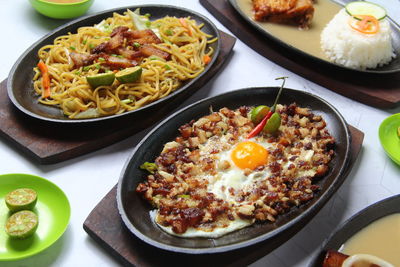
(149, 166)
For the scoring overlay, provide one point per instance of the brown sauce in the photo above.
(64, 1)
(305, 40)
(381, 238)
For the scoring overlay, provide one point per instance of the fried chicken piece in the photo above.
(299, 12)
(334, 259)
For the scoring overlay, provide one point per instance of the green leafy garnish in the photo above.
(166, 66)
(149, 166)
(168, 32)
(72, 47)
(184, 196)
(136, 44)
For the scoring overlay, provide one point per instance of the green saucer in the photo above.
(388, 137)
(52, 208)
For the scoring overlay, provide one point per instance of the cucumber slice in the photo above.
(101, 79)
(365, 8)
(21, 199)
(22, 224)
(129, 75)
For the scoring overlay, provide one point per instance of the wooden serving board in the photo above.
(48, 142)
(106, 227)
(379, 90)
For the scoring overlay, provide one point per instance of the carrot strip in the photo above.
(364, 24)
(45, 79)
(184, 24)
(206, 59)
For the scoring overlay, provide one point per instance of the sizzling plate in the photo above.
(135, 211)
(357, 222)
(20, 86)
(311, 40)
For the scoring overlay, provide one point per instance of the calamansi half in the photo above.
(21, 199)
(258, 113)
(273, 124)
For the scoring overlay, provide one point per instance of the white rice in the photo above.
(348, 47)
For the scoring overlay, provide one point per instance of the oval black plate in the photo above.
(135, 211)
(20, 86)
(353, 225)
(392, 67)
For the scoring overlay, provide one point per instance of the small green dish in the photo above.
(52, 208)
(58, 10)
(389, 138)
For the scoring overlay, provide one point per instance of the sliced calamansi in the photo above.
(258, 113)
(21, 199)
(398, 132)
(272, 124)
(101, 79)
(22, 224)
(129, 75)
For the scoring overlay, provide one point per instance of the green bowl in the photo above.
(61, 10)
(52, 208)
(388, 137)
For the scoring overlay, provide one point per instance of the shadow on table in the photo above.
(45, 258)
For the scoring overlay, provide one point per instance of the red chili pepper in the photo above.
(264, 121)
(260, 126)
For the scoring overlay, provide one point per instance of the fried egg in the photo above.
(234, 166)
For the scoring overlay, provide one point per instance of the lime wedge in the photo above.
(22, 224)
(365, 8)
(129, 75)
(398, 132)
(272, 124)
(258, 113)
(21, 199)
(101, 79)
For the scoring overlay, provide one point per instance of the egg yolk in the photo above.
(249, 155)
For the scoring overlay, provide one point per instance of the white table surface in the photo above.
(88, 178)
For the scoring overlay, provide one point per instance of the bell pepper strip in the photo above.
(206, 59)
(364, 24)
(184, 24)
(45, 79)
(261, 125)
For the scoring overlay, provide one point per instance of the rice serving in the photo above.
(350, 48)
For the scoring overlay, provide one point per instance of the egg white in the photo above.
(193, 232)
